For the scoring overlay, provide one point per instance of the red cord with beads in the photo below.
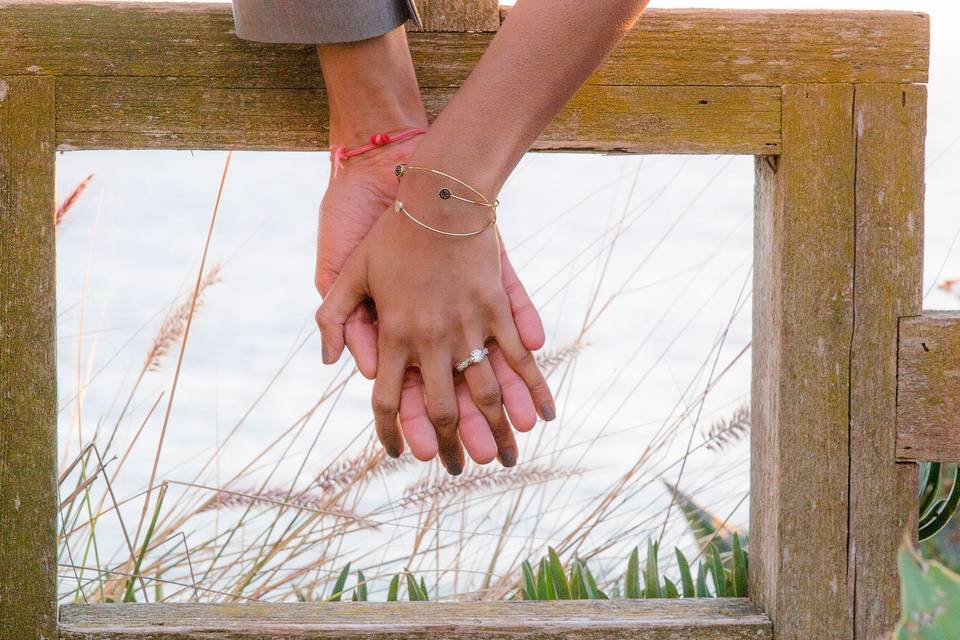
(339, 153)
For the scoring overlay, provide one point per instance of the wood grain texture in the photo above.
(890, 125)
(189, 113)
(703, 619)
(459, 15)
(802, 327)
(28, 392)
(928, 400)
(667, 47)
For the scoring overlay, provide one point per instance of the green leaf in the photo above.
(944, 511)
(360, 592)
(719, 573)
(529, 582)
(702, 591)
(340, 584)
(393, 588)
(705, 526)
(588, 590)
(545, 590)
(930, 599)
(632, 586)
(669, 589)
(575, 593)
(600, 595)
(135, 575)
(738, 569)
(651, 576)
(559, 578)
(413, 589)
(686, 578)
(423, 589)
(931, 491)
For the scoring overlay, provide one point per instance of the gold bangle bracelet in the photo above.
(399, 208)
(445, 193)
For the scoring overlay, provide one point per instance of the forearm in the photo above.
(542, 54)
(371, 88)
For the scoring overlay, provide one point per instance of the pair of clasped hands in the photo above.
(411, 304)
(434, 300)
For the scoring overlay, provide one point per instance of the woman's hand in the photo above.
(437, 298)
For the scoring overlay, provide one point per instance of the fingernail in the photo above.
(324, 355)
(454, 468)
(549, 412)
(508, 457)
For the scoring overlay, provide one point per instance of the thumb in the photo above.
(347, 292)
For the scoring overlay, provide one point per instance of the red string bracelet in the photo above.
(339, 153)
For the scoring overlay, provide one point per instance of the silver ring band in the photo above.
(477, 355)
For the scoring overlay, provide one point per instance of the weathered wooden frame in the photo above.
(833, 104)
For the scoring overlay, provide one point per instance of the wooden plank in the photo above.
(667, 47)
(197, 113)
(28, 392)
(458, 15)
(802, 327)
(700, 619)
(928, 400)
(890, 132)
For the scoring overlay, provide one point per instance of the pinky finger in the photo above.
(524, 363)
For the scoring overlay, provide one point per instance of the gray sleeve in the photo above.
(317, 21)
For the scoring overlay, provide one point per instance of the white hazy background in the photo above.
(683, 261)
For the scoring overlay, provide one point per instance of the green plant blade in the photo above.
(705, 526)
(529, 582)
(738, 569)
(413, 589)
(361, 590)
(632, 586)
(669, 589)
(702, 591)
(393, 588)
(931, 492)
(340, 584)
(944, 511)
(559, 577)
(544, 583)
(686, 578)
(135, 575)
(575, 591)
(651, 575)
(423, 589)
(593, 584)
(718, 572)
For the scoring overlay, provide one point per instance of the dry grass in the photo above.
(283, 524)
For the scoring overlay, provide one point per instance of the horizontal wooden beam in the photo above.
(699, 619)
(928, 387)
(192, 113)
(667, 47)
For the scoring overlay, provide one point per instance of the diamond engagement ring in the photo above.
(476, 356)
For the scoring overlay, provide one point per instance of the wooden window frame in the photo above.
(831, 103)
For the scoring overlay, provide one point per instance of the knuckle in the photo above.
(325, 317)
(526, 360)
(443, 417)
(384, 405)
(488, 396)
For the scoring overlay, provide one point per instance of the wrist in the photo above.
(371, 88)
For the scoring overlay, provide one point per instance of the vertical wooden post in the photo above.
(457, 15)
(28, 397)
(802, 330)
(890, 128)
